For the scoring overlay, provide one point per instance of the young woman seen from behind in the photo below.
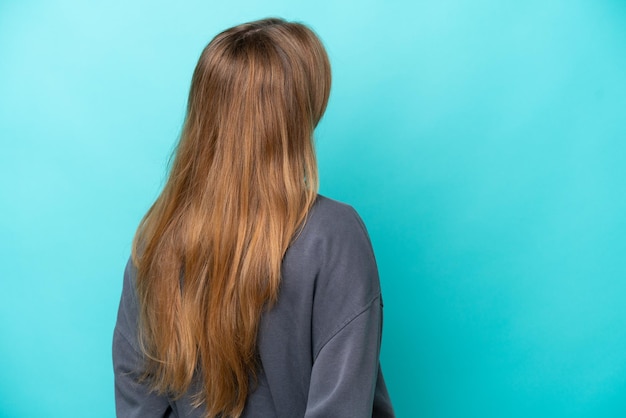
(247, 293)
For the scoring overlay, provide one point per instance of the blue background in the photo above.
(483, 142)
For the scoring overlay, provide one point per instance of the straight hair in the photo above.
(242, 180)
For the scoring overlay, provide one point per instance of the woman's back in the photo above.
(318, 346)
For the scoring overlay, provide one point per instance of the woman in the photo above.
(247, 293)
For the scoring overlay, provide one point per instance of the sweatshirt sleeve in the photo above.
(347, 326)
(132, 398)
(345, 372)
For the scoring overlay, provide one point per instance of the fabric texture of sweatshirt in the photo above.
(319, 344)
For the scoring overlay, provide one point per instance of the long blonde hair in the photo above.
(209, 250)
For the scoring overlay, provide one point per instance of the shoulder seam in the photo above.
(116, 330)
(345, 324)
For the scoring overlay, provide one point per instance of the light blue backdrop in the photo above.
(483, 142)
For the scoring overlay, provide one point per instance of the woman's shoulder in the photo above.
(332, 234)
(336, 248)
(325, 204)
(332, 218)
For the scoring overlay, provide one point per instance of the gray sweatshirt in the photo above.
(319, 345)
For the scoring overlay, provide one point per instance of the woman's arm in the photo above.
(346, 379)
(346, 370)
(132, 398)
